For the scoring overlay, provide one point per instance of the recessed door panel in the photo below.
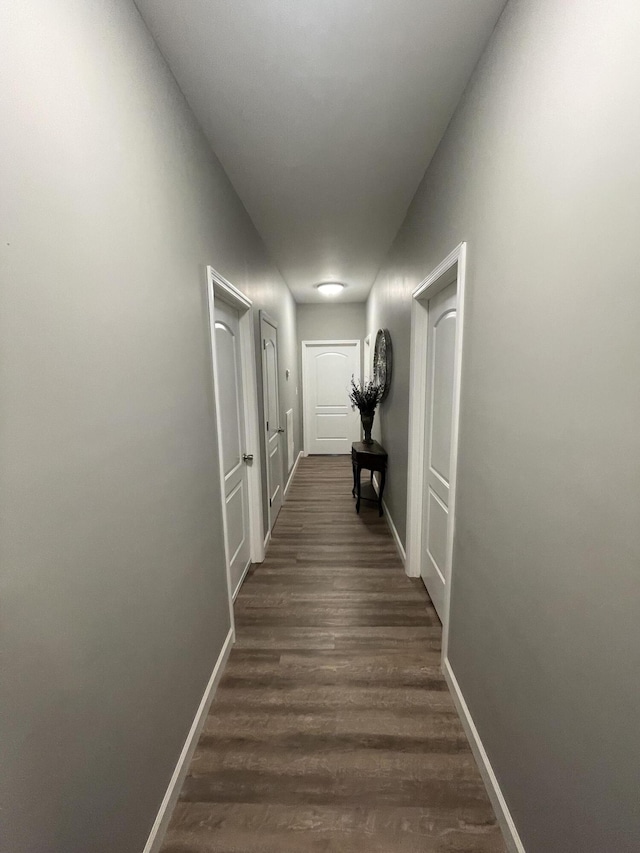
(330, 371)
(442, 382)
(237, 519)
(230, 384)
(437, 516)
(270, 355)
(332, 427)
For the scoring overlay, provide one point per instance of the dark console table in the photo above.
(373, 457)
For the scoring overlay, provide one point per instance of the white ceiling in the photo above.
(324, 113)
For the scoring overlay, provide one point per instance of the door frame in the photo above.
(218, 288)
(305, 345)
(436, 281)
(263, 436)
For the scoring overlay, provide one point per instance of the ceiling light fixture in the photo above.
(330, 288)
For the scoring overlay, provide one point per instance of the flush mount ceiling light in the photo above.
(330, 288)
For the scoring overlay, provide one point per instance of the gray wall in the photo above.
(333, 321)
(538, 171)
(114, 600)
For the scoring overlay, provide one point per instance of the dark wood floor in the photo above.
(332, 728)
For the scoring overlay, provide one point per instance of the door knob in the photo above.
(280, 429)
(247, 457)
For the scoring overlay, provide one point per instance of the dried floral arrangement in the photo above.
(365, 395)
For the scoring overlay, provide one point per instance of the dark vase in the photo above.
(367, 425)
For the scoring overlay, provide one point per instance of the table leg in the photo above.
(353, 490)
(358, 487)
(383, 477)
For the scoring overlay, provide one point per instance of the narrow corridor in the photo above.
(333, 728)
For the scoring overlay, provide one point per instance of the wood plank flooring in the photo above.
(333, 728)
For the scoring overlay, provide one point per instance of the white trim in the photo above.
(267, 539)
(394, 532)
(507, 824)
(305, 420)
(227, 291)
(293, 471)
(392, 527)
(159, 828)
(435, 281)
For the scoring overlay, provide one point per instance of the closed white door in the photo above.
(272, 427)
(436, 541)
(331, 425)
(232, 439)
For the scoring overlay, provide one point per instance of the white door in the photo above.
(441, 342)
(331, 425)
(232, 439)
(272, 416)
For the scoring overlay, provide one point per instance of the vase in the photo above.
(367, 425)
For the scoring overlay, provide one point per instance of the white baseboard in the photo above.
(293, 471)
(507, 825)
(394, 532)
(396, 537)
(241, 581)
(267, 539)
(163, 817)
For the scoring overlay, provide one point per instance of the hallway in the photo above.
(333, 728)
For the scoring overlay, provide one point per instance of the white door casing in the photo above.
(330, 423)
(272, 429)
(233, 440)
(232, 309)
(434, 490)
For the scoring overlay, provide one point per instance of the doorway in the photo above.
(235, 393)
(434, 406)
(330, 423)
